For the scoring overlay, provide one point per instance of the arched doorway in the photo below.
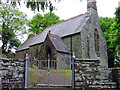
(48, 56)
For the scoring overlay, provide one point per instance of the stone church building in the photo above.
(81, 34)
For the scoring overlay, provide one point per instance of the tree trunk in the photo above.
(4, 41)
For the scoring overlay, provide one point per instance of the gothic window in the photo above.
(36, 53)
(96, 38)
(88, 47)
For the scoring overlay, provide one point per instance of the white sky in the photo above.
(70, 8)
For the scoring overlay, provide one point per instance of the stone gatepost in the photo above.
(0, 76)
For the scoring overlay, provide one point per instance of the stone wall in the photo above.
(0, 76)
(106, 74)
(88, 39)
(63, 61)
(12, 73)
(21, 54)
(89, 74)
(86, 72)
(76, 44)
(116, 76)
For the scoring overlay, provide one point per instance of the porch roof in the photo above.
(58, 43)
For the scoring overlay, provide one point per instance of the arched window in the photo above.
(36, 53)
(96, 38)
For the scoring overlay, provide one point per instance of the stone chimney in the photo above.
(119, 4)
(91, 4)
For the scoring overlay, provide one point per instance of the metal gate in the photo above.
(49, 73)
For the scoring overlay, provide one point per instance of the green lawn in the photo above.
(66, 73)
(34, 76)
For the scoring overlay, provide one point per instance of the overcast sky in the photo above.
(70, 8)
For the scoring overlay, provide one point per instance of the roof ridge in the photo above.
(59, 23)
(35, 35)
(22, 44)
(54, 35)
(65, 20)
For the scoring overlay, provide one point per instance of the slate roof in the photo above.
(68, 27)
(58, 43)
(25, 45)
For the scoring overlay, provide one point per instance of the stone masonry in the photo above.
(116, 76)
(0, 77)
(12, 75)
(88, 74)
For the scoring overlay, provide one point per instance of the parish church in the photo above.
(80, 34)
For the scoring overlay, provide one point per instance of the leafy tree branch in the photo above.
(11, 22)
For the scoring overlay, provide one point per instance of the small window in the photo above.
(96, 38)
(36, 52)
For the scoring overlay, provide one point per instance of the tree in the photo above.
(38, 23)
(109, 27)
(105, 24)
(51, 19)
(12, 22)
(33, 4)
(117, 27)
(40, 5)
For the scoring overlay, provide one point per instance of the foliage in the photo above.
(105, 23)
(12, 22)
(117, 13)
(117, 27)
(38, 23)
(33, 4)
(109, 27)
(51, 19)
(40, 5)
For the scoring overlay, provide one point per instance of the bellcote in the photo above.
(91, 4)
(119, 4)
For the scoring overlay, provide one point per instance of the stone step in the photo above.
(104, 85)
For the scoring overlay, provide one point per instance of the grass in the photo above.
(34, 76)
(66, 73)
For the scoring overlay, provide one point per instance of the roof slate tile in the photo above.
(62, 29)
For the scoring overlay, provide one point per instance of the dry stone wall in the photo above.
(12, 75)
(0, 77)
(89, 74)
(86, 72)
(116, 76)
